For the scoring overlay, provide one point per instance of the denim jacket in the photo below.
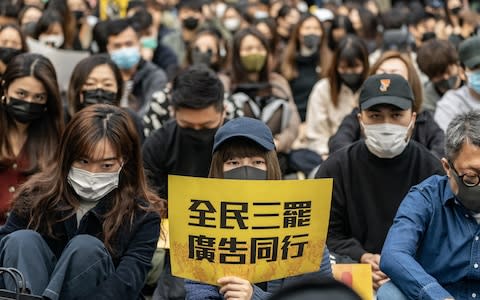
(432, 250)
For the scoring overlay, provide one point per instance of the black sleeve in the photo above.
(339, 238)
(434, 136)
(347, 133)
(14, 222)
(154, 157)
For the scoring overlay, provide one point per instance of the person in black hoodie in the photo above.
(426, 130)
(183, 146)
(372, 176)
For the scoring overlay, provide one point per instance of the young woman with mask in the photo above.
(334, 97)
(304, 60)
(97, 80)
(287, 18)
(86, 227)
(28, 18)
(244, 149)
(80, 11)
(233, 19)
(425, 131)
(209, 48)
(250, 66)
(31, 122)
(49, 29)
(267, 27)
(12, 43)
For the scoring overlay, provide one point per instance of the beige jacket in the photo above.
(286, 138)
(323, 118)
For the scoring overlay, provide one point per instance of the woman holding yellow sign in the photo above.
(244, 149)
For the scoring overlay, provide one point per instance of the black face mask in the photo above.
(469, 196)
(446, 84)
(193, 151)
(456, 10)
(6, 54)
(25, 112)
(190, 23)
(428, 36)
(352, 80)
(198, 136)
(311, 41)
(29, 28)
(98, 96)
(78, 14)
(246, 172)
(199, 57)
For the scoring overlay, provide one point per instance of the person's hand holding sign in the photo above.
(235, 288)
(378, 276)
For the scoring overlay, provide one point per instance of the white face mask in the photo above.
(53, 40)
(386, 140)
(220, 9)
(92, 186)
(231, 24)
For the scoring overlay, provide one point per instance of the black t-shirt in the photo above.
(367, 192)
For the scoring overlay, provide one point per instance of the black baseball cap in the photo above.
(386, 89)
(468, 52)
(248, 128)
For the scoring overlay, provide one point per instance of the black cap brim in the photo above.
(401, 103)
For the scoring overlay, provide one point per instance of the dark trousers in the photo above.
(83, 265)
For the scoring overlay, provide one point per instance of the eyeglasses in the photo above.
(468, 180)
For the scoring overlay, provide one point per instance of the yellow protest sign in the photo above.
(164, 238)
(356, 276)
(113, 8)
(259, 230)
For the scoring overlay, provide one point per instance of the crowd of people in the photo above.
(381, 96)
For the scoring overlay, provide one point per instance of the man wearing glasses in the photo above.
(432, 251)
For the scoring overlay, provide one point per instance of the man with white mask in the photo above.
(372, 175)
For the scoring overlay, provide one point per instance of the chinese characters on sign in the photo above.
(258, 230)
(232, 215)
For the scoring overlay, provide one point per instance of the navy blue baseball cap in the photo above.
(248, 128)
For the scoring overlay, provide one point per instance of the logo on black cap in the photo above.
(384, 85)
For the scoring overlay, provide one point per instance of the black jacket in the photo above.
(133, 250)
(166, 152)
(367, 191)
(426, 132)
(147, 80)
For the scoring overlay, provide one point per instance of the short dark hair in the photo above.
(195, 5)
(198, 87)
(141, 20)
(10, 8)
(434, 57)
(117, 26)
